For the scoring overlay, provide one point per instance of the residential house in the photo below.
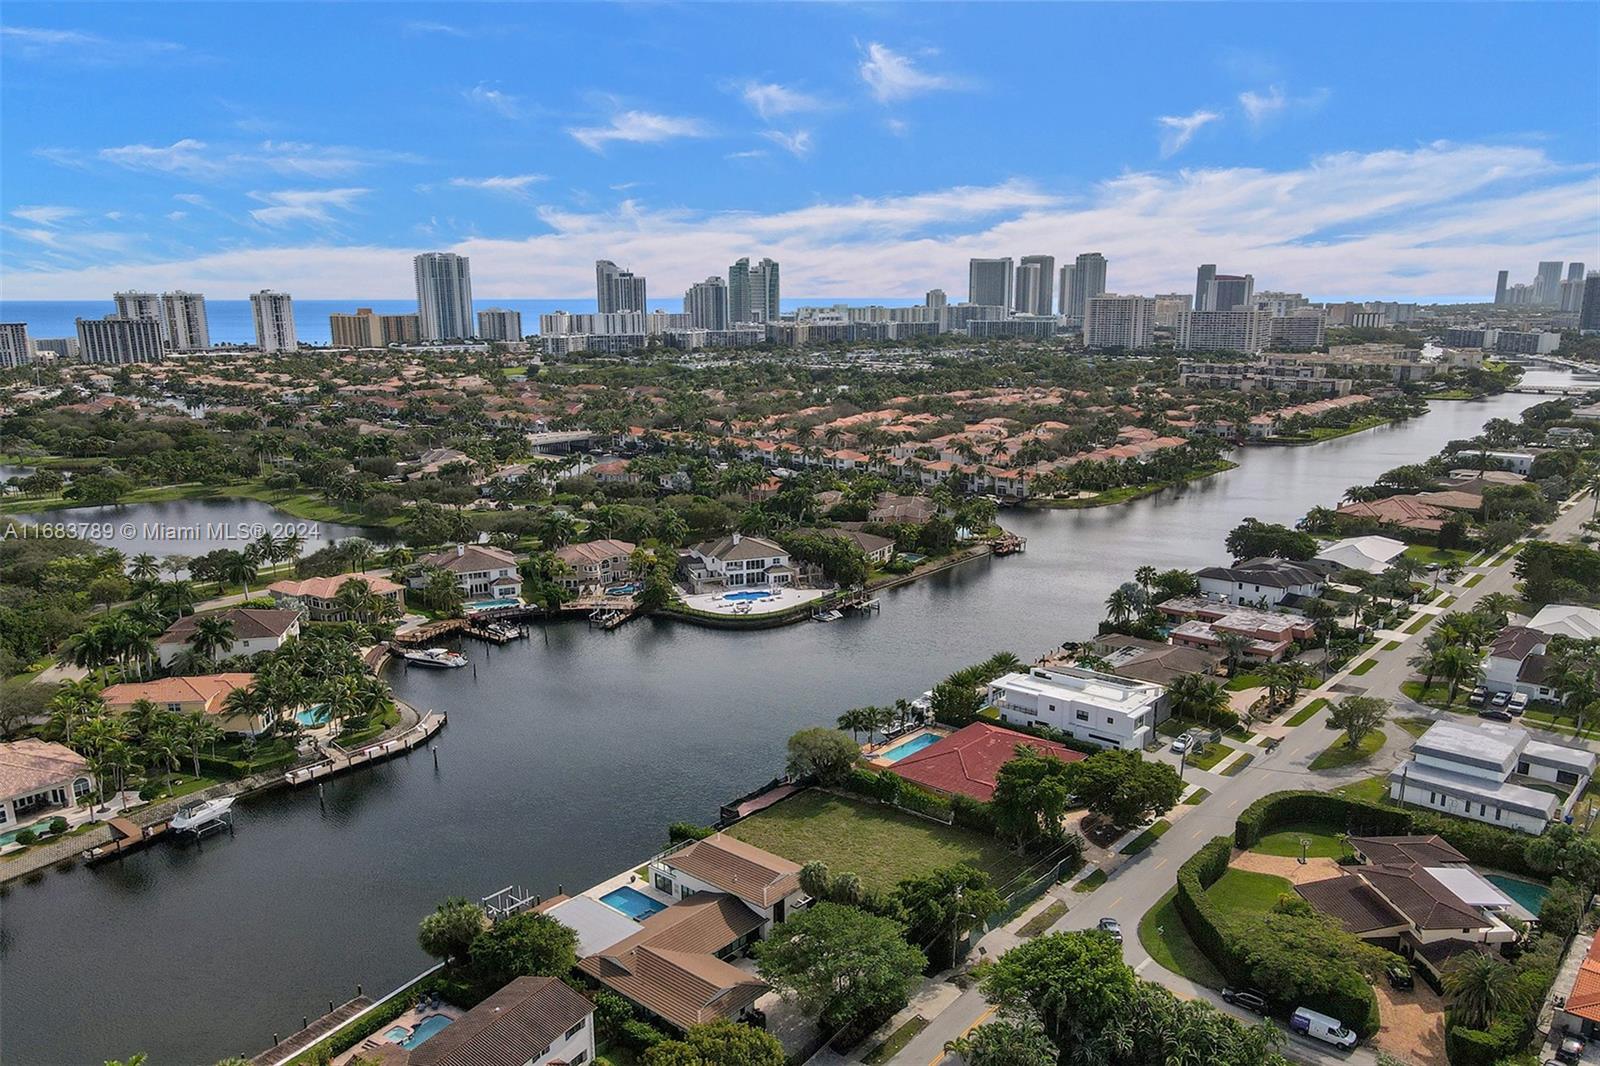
(1265, 581)
(1580, 623)
(595, 564)
(1402, 512)
(598, 925)
(1517, 662)
(877, 549)
(1087, 705)
(1578, 1011)
(738, 561)
(1477, 771)
(205, 694)
(38, 780)
(318, 597)
(1205, 622)
(255, 630)
(911, 510)
(676, 966)
(1372, 554)
(533, 1021)
(482, 572)
(1150, 660)
(968, 761)
(614, 472)
(768, 884)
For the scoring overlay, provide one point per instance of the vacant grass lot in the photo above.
(880, 845)
(1375, 789)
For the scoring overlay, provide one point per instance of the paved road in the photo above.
(1139, 884)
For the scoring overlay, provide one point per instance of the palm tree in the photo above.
(144, 567)
(1146, 577)
(199, 732)
(1457, 663)
(1234, 646)
(359, 551)
(1428, 661)
(855, 720)
(1272, 677)
(1481, 988)
(164, 746)
(247, 703)
(1198, 697)
(1119, 606)
(356, 600)
(213, 633)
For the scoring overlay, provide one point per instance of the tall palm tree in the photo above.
(199, 732)
(1457, 663)
(1198, 697)
(1481, 988)
(855, 719)
(144, 567)
(212, 634)
(1234, 646)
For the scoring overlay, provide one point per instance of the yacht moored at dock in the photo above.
(437, 657)
(204, 816)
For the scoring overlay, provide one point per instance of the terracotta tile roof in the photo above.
(512, 1027)
(754, 875)
(30, 765)
(1404, 511)
(208, 689)
(1352, 903)
(969, 760)
(670, 966)
(1584, 999)
(326, 588)
(248, 623)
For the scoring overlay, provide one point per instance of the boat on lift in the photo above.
(829, 615)
(198, 817)
(437, 657)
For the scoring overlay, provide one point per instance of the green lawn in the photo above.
(1472, 581)
(1209, 756)
(1373, 789)
(1239, 764)
(1416, 626)
(1146, 838)
(1363, 666)
(897, 1041)
(880, 845)
(1435, 694)
(1424, 553)
(1243, 681)
(1447, 601)
(1090, 883)
(1416, 725)
(1340, 754)
(1163, 935)
(1305, 714)
(1241, 893)
(1196, 796)
(1043, 920)
(1393, 645)
(1325, 844)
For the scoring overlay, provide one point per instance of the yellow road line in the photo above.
(981, 1019)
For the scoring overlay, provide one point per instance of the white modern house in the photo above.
(1372, 554)
(1087, 705)
(1279, 582)
(1471, 771)
(738, 561)
(1517, 663)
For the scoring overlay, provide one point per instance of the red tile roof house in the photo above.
(968, 761)
(318, 596)
(39, 778)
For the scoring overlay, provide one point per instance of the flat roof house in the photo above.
(1087, 705)
(1371, 554)
(738, 561)
(1472, 771)
(40, 779)
(318, 597)
(481, 571)
(255, 630)
(595, 564)
(968, 761)
(533, 1021)
(768, 884)
(204, 694)
(1206, 620)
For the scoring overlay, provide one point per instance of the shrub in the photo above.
(678, 832)
(1483, 845)
(1477, 1047)
(972, 814)
(1289, 808)
(58, 824)
(27, 837)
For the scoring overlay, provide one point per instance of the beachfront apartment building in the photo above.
(480, 570)
(1087, 705)
(1473, 771)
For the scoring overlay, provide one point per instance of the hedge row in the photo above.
(1482, 844)
(1220, 939)
(891, 788)
(233, 769)
(1511, 1032)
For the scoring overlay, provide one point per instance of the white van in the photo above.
(1329, 1030)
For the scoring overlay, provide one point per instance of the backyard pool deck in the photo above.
(628, 878)
(781, 599)
(892, 751)
(407, 1021)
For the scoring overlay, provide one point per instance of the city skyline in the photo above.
(851, 168)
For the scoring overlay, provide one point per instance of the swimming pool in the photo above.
(622, 590)
(489, 605)
(1529, 896)
(747, 596)
(632, 902)
(909, 746)
(419, 1033)
(312, 716)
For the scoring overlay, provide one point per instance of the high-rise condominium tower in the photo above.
(444, 296)
(141, 305)
(1202, 285)
(1065, 288)
(616, 289)
(274, 315)
(186, 326)
(1547, 284)
(500, 324)
(1501, 280)
(706, 304)
(989, 282)
(1088, 279)
(1025, 291)
(1044, 296)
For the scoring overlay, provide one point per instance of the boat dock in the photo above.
(338, 760)
(1008, 544)
(496, 631)
(126, 835)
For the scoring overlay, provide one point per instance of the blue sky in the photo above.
(1341, 150)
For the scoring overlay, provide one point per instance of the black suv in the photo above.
(1399, 975)
(1249, 999)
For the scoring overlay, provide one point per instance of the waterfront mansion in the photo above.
(736, 561)
(1087, 705)
(480, 570)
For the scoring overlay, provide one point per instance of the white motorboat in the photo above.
(440, 657)
(193, 817)
(829, 616)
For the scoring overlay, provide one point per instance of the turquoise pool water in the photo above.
(1529, 895)
(622, 590)
(745, 597)
(10, 836)
(418, 1034)
(632, 902)
(312, 716)
(489, 605)
(909, 746)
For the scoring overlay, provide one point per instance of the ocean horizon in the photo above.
(231, 321)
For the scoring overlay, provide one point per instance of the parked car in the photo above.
(1479, 695)
(1570, 1049)
(1498, 714)
(1321, 1027)
(1500, 699)
(1112, 926)
(1518, 703)
(1247, 998)
(1399, 975)
(1181, 744)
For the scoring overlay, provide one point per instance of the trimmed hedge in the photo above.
(1477, 1047)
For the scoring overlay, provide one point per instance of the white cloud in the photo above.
(200, 161)
(501, 103)
(423, 27)
(44, 214)
(193, 199)
(638, 127)
(893, 76)
(797, 144)
(1262, 107)
(1337, 226)
(37, 42)
(506, 183)
(312, 206)
(187, 157)
(177, 216)
(1179, 130)
(749, 153)
(771, 100)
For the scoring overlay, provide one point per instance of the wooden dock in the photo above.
(338, 760)
(313, 1033)
(1008, 544)
(126, 835)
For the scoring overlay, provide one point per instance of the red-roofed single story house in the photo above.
(968, 761)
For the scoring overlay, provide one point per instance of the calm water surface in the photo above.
(565, 758)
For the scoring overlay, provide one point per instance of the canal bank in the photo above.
(565, 759)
